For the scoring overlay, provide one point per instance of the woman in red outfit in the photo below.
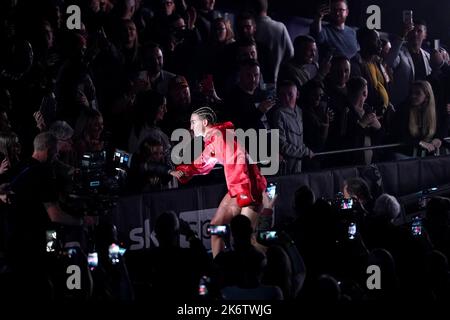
(244, 181)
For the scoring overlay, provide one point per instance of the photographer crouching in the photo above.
(36, 212)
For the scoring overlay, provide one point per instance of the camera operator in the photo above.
(65, 162)
(35, 210)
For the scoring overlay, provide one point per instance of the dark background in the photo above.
(435, 12)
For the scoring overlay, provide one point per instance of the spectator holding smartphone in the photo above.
(241, 269)
(407, 48)
(174, 272)
(336, 34)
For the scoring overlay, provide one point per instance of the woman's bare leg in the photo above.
(228, 208)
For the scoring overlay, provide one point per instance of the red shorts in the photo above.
(246, 199)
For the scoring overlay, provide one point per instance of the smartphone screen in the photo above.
(218, 229)
(71, 252)
(121, 158)
(352, 231)
(271, 190)
(346, 204)
(267, 235)
(326, 3)
(113, 253)
(203, 286)
(51, 240)
(437, 44)
(93, 260)
(407, 16)
(416, 226)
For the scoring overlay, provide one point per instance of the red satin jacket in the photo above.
(221, 146)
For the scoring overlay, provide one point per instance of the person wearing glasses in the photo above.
(336, 34)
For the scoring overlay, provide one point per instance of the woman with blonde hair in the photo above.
(129, 44)
(417, 120)
(88, 133)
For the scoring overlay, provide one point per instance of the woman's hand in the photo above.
(176, 173)
(40, 122)
(436, 143)
(4, 166)
(427, 146)
(267, 201)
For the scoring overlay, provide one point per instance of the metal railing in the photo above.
(384, 146)
(445, 145)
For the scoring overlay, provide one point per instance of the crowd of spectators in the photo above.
(353, 87)
(134, 73)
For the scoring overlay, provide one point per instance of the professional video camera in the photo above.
(98, 183)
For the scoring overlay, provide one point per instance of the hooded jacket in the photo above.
(221, 146)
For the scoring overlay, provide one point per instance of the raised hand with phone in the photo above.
(406, 29)
(270, 196)
(265, 219)
(186, 230)
(323, 9)
(335, 34)
(438, 57)
(408, 17)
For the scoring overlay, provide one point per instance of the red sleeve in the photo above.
(203, 164)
